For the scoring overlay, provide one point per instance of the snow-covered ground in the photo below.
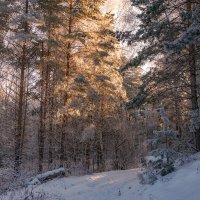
(184, 184)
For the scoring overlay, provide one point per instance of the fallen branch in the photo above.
(42, 178)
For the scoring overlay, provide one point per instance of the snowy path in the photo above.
(183, 184)
(102, 186)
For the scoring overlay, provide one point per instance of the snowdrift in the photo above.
(183, 184)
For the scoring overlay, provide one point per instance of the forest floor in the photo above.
(183, 184)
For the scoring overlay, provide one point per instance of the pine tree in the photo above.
(162, 23)
(21, 47)
(90, 76)
(51, 14)
(189, 41)
(162, 154)
(22, 35)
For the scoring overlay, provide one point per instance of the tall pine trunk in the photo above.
(193, 79)
(21, 102)
(67, 72)
(51, 120)
(43, 110)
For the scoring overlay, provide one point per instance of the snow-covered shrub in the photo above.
(10, 181)
(162, 155)
(27, 194)
(164, 164)
(154, 167)
(7, 179)
(147, 177)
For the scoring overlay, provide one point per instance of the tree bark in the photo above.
(20, 120)
(67, 72)
(43, 110)
(193, 79)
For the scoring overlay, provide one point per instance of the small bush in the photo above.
(26, 194)
(147, 178)
(167, 169)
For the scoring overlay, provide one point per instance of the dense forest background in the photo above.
(90, 91)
